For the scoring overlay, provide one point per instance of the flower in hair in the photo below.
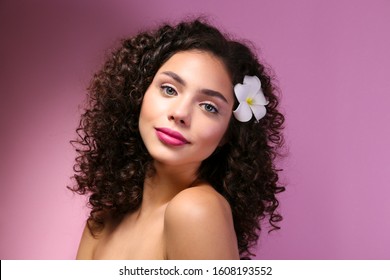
(251, 98)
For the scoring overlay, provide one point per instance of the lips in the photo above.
(170, 137)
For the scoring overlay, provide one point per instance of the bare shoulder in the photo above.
(89, 242)
(198, 224)
(197, 200)
(86, 246)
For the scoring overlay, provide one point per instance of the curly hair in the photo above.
(112, 160)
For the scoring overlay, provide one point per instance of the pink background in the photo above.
(332, 60)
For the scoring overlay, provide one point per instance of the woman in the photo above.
(177, 148)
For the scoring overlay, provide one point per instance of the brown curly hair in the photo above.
(112, 160)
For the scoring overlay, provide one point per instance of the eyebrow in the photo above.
(214, 93)
(208, 92)
(174, 76)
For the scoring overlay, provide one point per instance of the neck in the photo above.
(166, 182)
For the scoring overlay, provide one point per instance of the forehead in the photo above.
(200, 68)
(196, 58)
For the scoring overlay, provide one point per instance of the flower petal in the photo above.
(243, 113)
(259, 111)
(252, 84)
(259, 98)
(241, 92)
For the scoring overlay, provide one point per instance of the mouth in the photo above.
(170, 137)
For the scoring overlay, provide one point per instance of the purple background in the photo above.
(332, 60)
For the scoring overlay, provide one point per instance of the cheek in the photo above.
(212, 135)
(149, 107)
(144, 105)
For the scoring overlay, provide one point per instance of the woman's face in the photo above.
(186, 109)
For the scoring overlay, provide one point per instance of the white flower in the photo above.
(251, 98)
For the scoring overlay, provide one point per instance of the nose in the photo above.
(180, 112)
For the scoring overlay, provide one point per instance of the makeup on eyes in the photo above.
(205, 91)
(168, 90)
(171, 84)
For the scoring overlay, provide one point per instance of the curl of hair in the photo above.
(112, 160)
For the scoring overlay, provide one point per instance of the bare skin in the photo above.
(188, 222)
(195, 224)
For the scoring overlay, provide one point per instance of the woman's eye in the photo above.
(209, 108)
(168, 90)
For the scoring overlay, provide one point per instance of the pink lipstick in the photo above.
(170, 137)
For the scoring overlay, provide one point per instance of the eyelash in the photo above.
(212, 110)
(165, 88)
